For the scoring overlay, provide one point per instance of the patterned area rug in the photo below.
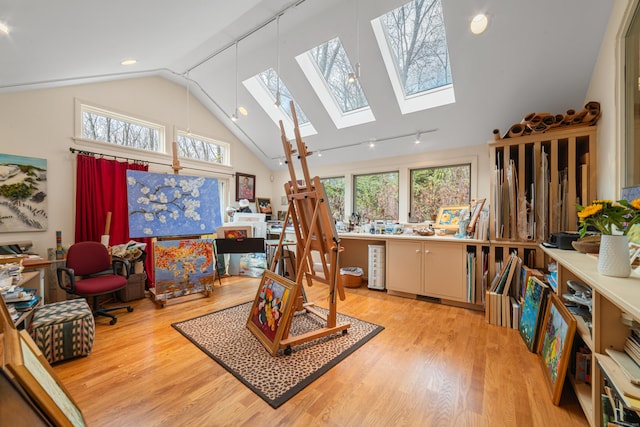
(223, 335)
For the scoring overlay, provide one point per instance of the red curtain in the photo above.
(102, 188)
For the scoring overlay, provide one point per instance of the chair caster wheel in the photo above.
(129, 309)
(345, 332)
(113, 321)
(288, 350)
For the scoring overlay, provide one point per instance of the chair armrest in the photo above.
(119, 265)
(72, 279)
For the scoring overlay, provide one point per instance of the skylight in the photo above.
(327, 68)
(264, 87)
(413, 43)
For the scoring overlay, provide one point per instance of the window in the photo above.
(376, 195)
(264, 87)
(327, 68)
(113, 128)
(413, 44)
(334, 188)
(438, 186)
(201, 148)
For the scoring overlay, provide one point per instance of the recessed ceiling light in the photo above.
(4, 28)
(479, 23)
(128, 62)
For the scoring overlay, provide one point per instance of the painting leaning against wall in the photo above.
(23, 194)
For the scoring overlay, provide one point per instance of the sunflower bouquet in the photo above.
(607, 216)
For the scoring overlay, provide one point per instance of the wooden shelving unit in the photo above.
(550, 192)
(611, 297)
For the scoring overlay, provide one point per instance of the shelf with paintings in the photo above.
(615, 313)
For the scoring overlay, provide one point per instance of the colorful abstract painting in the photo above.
(554, 338)
(534, 298)
(183, 267)
(23, 194)
(162, 205)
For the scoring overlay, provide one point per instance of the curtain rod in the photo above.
(91, 153)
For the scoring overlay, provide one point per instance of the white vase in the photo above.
(613, 259)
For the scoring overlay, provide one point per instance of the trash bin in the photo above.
(351, 276)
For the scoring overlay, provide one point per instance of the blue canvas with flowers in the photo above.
(162, 205)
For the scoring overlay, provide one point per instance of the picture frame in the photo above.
(25, 363)
(245, 187)
(535, 296)
(554, 348)
(448, 217)
(234, 232)
(271, 310)
(263, 205)
(475, 214)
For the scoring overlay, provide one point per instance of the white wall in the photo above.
(607, 87)
(40, 123)
(477, 155)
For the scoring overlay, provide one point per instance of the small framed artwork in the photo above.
(264, 206)
(234, 232)
(245, 187)
(448, 217)
(554, 347)
(475, 214)
(271, 309)
(535, 295)
(282, 215)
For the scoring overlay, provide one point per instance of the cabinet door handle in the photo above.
(417, 251)
(426, 251)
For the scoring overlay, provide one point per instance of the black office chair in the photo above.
(90, 272)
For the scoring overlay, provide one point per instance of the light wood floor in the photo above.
(433, 365)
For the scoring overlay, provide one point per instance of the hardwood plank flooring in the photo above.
(433, 365)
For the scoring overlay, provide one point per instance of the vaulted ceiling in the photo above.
(534, 57)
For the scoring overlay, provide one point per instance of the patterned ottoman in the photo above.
(63, 330)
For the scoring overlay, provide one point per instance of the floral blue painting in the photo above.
(162, 205)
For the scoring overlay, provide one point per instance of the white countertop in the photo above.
(624, 292)
(408, 236)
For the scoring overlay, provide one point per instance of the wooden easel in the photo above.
(162, 300)
(315, 231)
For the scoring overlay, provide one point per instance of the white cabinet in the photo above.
(430, 268)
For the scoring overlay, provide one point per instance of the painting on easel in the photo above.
(271, 309)
(183, 267)
(162, 205)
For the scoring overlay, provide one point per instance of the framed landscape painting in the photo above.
(554, 348)
(271, 309)
(23, 199)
